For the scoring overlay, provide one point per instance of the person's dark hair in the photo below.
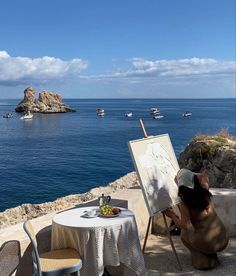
(197, 198)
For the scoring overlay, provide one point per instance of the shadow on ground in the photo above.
(160, 260)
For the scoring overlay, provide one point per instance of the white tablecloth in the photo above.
(100, 241)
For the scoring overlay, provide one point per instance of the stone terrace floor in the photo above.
(160, 260)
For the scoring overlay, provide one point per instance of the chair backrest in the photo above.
(31, 234)
(10, 255)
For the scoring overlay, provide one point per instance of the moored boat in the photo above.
(187, 114)
(8, 115)
(128, 114)
(100, 112)
(154, 111)
(157, 116)
(27, 116)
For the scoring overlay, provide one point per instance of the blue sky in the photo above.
(118, 49)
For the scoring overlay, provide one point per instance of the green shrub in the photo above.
(215, 141)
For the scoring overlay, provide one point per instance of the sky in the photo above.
(118, 49)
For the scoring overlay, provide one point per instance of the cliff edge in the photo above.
(29, 211)
(215, 156)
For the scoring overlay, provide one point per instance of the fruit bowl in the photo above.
(108, 216)
(109, 211)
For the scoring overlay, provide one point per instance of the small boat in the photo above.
(100, 112)
(128, 114)
(157, 116)
(154, 110)
(27, 116)
(8, 115)
(187, 114)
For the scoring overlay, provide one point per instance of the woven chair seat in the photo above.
(59, 259)
(55, 262)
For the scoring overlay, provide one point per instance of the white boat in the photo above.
(187, 114)
(8, 115)
(128, 114)
(157, 116)
(100, 112)
(27, 116)
(154, 110)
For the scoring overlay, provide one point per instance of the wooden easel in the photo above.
(164, 217)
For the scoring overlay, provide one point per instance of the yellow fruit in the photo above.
(106, 210)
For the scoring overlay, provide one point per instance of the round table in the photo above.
(100, 241)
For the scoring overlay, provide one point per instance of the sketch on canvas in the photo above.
(156, 166)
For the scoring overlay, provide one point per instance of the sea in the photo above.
(54, 155)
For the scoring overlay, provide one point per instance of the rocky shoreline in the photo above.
(29, 211)
(213, 155)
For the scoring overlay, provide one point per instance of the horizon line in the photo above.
(155, 98)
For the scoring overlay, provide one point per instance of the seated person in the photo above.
(203, 233)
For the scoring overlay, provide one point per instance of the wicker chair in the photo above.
(9, 257)
(53, 263)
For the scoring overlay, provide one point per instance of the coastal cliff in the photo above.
(215, 156)
(48, 102)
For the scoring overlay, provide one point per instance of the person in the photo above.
(202, 231)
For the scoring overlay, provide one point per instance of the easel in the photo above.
(164, 218)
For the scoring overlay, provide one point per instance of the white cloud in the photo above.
(139, 76)
(181, 67)
(3, 54)
(163, 70)
(20, 70)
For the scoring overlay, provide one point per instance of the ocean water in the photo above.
(55, 155)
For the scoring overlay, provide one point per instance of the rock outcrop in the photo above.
(48, 102)
(213, 155)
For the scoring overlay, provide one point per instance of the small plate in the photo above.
(112, 216)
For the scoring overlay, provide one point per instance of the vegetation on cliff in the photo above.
(215, 155)
(221, 139)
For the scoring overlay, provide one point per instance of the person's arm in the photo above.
(184, 220)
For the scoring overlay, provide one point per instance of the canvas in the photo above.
(156, 166)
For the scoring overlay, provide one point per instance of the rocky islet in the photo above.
(47, 102)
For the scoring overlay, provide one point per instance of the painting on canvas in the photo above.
(156, 166)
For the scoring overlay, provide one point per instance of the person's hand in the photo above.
(169, 212)
(203, 180)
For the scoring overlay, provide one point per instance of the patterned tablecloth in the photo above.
(100, 241)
